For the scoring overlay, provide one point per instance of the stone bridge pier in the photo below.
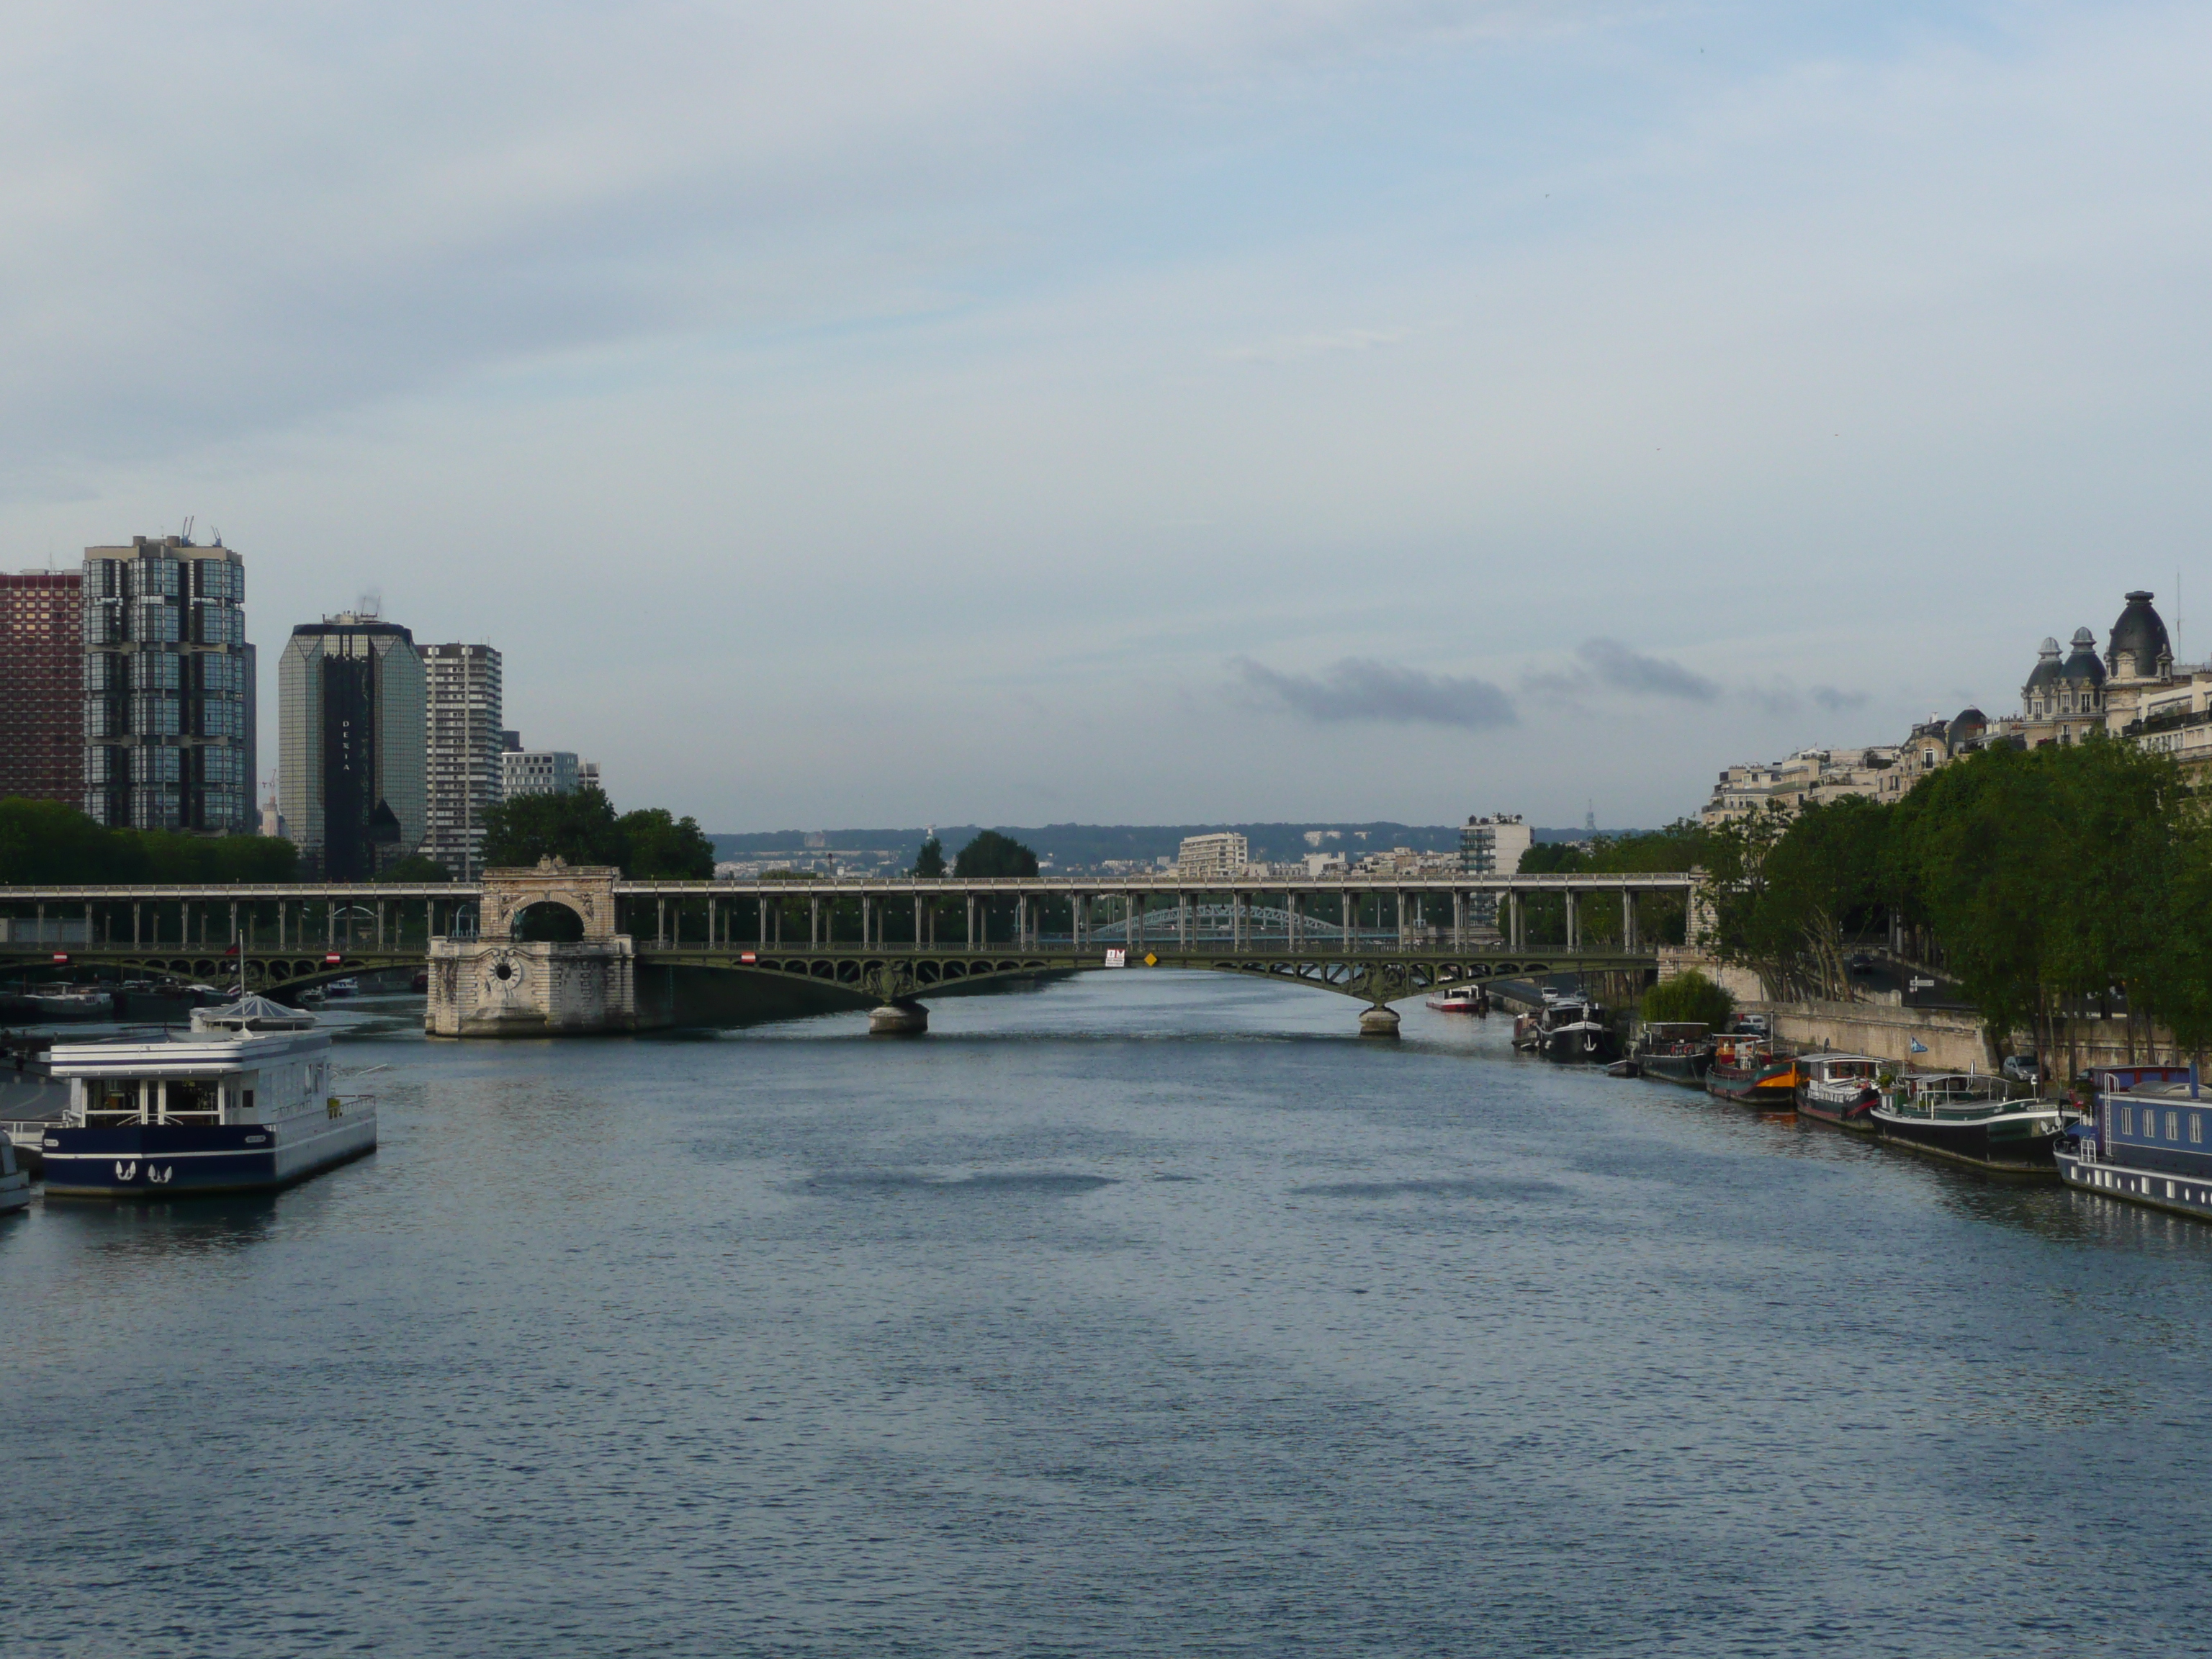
(499, 985)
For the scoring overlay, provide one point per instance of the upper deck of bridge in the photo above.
(1163, 885)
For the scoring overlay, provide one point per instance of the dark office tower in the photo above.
(463, 747)
(42, 686)
(350, 702)
(167, 686)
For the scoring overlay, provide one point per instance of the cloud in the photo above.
(1291, 346)
(1624, 670)
(1835, 701)
(1360, 689)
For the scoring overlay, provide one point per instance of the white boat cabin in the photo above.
(251, 1062)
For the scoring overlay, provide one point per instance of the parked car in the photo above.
(1755, 1024)
(1861, 962)
(2022, 1068)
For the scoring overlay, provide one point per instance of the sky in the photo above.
(1143, 411)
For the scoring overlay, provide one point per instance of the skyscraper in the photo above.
(168, 729)
(42, 686)
(463, 746)
(351, 718)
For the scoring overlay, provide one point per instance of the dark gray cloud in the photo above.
(1624, 670)
(1835, 701)
(1361, 688)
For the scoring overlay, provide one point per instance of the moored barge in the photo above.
(1461, 1000)
(1675, 1051)
(2144, 1140)
(1754, 1071)
(1839, 1089)
(1571, 1028)
(243, 1103)
(1968, 1118)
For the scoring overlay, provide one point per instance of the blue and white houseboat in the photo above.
(244, 1102)
(2146, 1140)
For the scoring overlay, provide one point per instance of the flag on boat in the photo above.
(1918, 1046)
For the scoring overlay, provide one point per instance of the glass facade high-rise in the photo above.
(351, 713)
(463, 742)
(168, 687)
(42, 686)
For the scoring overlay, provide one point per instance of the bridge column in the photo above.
(134, 919)
(1459, 921)
(971, 921)
(1627, 922)
(1574, 920)
(1380, 1021)
(1516, 924)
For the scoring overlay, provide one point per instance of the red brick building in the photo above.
(42, 686)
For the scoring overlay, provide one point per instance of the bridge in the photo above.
(576, 944)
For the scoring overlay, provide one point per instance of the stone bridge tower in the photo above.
(499, 985)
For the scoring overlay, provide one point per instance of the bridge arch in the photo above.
(552, 920)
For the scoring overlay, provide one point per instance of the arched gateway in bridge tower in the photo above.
(501, 984)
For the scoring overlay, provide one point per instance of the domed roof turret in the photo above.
(2046, 670)
(1970, 724)
(2142, 634)
(2082, 667)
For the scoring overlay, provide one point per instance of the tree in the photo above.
(1786, 890)
(49, 841)
(994, 854)
(416, 867)
(45, 841)
(1690, 996)
(656, 843)
(577, 828)
(929, 862)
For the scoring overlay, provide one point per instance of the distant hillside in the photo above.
(1086, 846)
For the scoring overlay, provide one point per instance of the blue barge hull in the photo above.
(149, 1161)
(2184, 1194)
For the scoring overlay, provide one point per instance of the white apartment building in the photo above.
(1210, 858)
(1493, 846)
(465, 774)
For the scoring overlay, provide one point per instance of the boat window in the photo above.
(2196, 1126)
(2127, 1119)
(2173, 1126)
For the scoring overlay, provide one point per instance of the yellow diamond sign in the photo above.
(1150, 960)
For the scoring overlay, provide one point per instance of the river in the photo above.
(1136, 1314)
